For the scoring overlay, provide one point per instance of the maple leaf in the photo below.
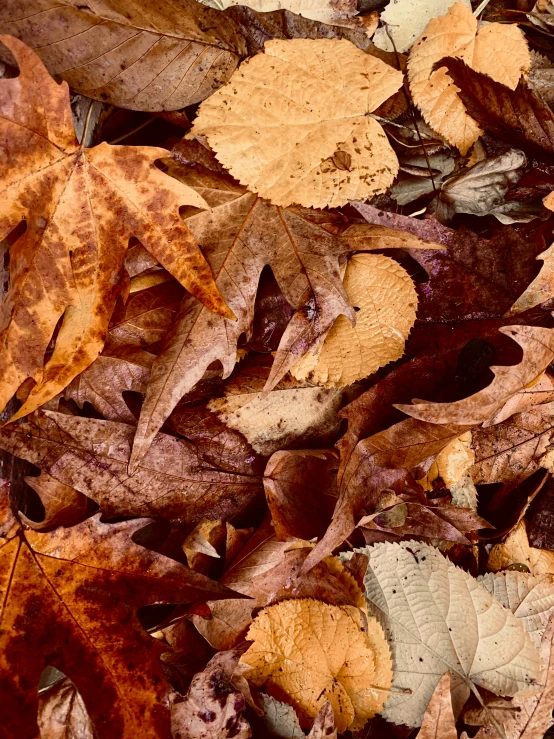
(328, 149)
(438, 721)
(70, 602)
(81, 206)
(498, 50)
(427, 637)
(141, 57)
(330, 658)
(385, 302)
(177, 479)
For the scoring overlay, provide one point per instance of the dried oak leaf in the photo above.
(63, 505)
(385, 301)
(81, 207)
(438, 721)
(308, 652)
(515, 550)
(143, 57)
(213, 706)
(280, 123)
(437, 618)
(184, 479)
(69, 600)
(542, 287)
(538, 351)
(531, 715)
(499, 50)
(240, 235)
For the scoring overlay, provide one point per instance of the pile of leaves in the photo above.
(277, 369)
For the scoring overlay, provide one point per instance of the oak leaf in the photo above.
(434, 615)
(309, 652)
(177, 479)
(515, 549)
(538, 352)
(438, 721)
(327, 149)
(142, 57)
(63, 505)
(385, 301)
(81, 207)
(69, 600)
(542, 287)
(496, 49)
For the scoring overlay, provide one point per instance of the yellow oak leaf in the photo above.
(307, 652)
(385, 301)
(294, 124)
(496, 49)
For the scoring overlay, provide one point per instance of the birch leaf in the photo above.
(437, 618)
(310, 652)
(293, 124)
(385, 301)
(495, 49)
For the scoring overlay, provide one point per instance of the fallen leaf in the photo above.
(530, 598)
(280, 719)
(325, 11)
(538, 352)
(213, 707)
(309, 652)
(324, 724)
(63, 505)
(410, 588)
(496, 49)
(300, 489)
(81, 207)
(140, 57)
(542, 287)
(438, 721)
(515, 549)
(301, 84)
(385, 301)
(202, 544)
(240, 235)
(451, 463)
(62, 713)
(70, 602)
(108, 377)
(176, 479)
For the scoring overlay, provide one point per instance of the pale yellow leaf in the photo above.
(542, 287)
(385, 301)
(496, 49)
(437, 618)
(293, 124)
(309, 652)
(451, 463)
(517, 550)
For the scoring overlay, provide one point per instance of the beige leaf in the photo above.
(279, 123)
(385, 301)
(438, 722)
(324, 11)
(62, 713)
(324, 724)
(280, 719)
(538, 352)
(517, 550)
(311, 652)
(495, 49)
(451, 463)
(542, 287)
(529, 597)
(437, 617)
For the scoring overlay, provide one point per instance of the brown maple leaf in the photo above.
(69, 600)
(81, 207)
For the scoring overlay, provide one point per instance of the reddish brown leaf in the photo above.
(63, 505)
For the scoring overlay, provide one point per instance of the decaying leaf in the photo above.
(497, 50)
(451, 463)
(176, 479)
(81, 207)
(542, 287)
(324, 724)
(438, 721)
(213, 707)
(301, 85)
(63, 505)
(309, 652)
(538, 352)
(143, 57)
(385, 301)
(433, 614)
(62, 713)
(325, 11)
(515, 550)
(69, 600)
(280, 719)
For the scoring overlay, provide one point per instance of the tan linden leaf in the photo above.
(496, 49)
(293, 124)
(517, 550)
(307, 652)
(385, 301)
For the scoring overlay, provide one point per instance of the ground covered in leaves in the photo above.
(277, 369)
